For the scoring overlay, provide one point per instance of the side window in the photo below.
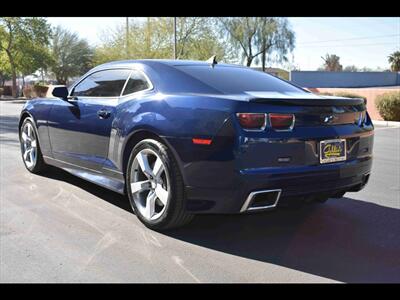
(137, 82)
(107, 83)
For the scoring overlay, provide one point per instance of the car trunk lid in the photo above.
(310, 109)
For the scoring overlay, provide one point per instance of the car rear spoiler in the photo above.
(311, 102)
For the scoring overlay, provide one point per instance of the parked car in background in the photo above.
(181, 138)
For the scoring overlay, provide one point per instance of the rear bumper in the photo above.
(220, 177)
(292, 181)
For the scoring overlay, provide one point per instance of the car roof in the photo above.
(154, 62)
(175, 74)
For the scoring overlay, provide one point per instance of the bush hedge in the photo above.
(33, 91)
(343, 94)
(388, 105)
(28, 92)
(325, 94)
(349, 95)
(7, 90)
(40, 90)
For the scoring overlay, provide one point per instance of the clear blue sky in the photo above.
(364, 42)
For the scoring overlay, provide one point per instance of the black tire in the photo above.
(39, 165)
(294, 203)
(338, 195)
(321, 199)
(175, 214)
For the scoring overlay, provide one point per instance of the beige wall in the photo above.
(369, 93)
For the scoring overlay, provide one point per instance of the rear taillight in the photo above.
(362, 118)
(252, 121)
(281, 121)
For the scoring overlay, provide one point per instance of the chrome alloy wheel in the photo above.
(29, 145)
(150, 185)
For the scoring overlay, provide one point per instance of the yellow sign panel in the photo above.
(332, 150)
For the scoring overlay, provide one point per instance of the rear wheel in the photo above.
(321, 199)
(155, 186)
(30, 148)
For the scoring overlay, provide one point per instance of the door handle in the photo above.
(103, 114)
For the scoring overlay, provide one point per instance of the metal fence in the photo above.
(320, 79)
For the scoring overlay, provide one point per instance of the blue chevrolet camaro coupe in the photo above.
(181, 138)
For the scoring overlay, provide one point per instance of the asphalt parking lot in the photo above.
(58, 228)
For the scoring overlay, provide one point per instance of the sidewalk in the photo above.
(386, 123)
(13, 99)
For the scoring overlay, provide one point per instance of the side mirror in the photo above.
(60, 92)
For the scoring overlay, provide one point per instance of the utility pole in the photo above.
(174, 37)
(148, 32)
(127, 37)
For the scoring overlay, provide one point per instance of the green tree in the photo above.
(351, 68)
(254, 36)
(71, 56)
(241, 34)
(366, 69)
(23, 39)
(394, 60)
(275, 37)
(332, 63)
(5, 68)
(112, 46)
(197, 39)
(153, 38)
(32, 59)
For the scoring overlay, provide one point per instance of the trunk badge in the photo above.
(328, 119)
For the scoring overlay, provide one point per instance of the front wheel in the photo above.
(155, 186)
(30, 148)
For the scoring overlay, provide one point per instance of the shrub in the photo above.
(28, 93)
(344, 94)
(388, 105)
(7, 90)
(1, 92)
(325, 94)
(349, 95)
(40, 90)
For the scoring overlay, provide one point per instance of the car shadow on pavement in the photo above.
(344, 239)
(98, 191)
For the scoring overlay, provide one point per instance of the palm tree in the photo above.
(71, 55)
(332, 63)
(394, 60)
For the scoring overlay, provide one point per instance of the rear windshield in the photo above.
(233, 80)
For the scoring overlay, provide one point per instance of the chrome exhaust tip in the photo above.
(260, 200)
(366, 178)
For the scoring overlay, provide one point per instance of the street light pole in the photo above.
(127, 37)
(174, 37)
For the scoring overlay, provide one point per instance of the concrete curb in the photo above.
(14, 100)
(386, 123)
